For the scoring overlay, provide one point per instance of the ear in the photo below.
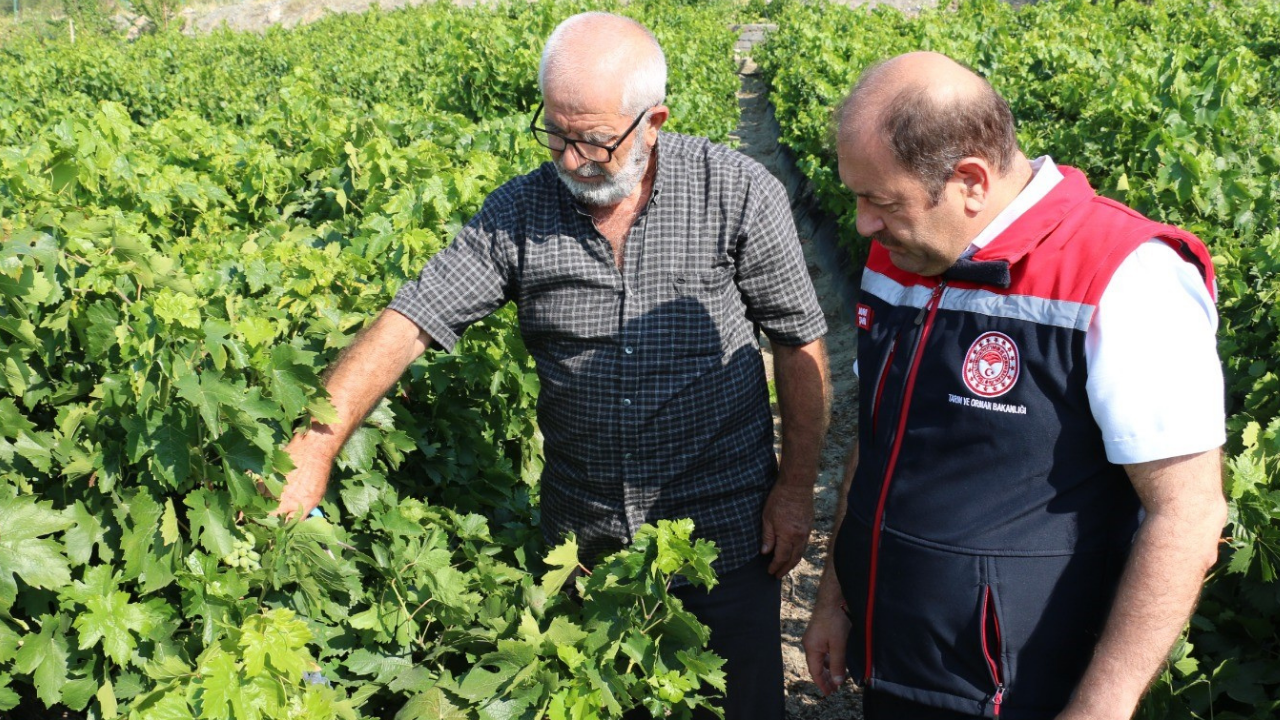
(975, 177)
(657, 116)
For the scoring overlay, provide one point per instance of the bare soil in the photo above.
(757, 135)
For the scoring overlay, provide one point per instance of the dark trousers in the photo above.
(744, 612)
(880, 706)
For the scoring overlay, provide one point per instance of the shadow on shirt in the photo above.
(667, 418)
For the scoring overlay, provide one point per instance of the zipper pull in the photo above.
(937, 293)
(999, 698)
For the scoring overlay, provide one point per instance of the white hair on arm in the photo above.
(645, 82)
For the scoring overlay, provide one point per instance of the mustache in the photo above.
(586, 170)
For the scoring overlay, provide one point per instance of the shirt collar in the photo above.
(1035, 216)
(1046, 177)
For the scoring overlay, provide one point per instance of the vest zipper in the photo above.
(990, 618)
(926, 317)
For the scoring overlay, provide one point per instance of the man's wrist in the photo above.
(319, 443)
(797, 477)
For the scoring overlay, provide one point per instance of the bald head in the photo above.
(931, 112)
(598, 57)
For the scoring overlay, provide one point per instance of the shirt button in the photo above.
(626, 402)
(628, 349)
(626, 456)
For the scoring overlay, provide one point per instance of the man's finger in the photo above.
(290, 509)
(766, 545)
(797, 554)
(835, 663)
(816, 660)
(781, 556)
(788, 555)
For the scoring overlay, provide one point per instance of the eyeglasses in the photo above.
(587, 150)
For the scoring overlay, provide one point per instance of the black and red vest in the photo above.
(986, 531)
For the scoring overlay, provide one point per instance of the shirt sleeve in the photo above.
(467, 280)
(771, 270)
(1155, 381)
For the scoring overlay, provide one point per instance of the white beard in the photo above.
(615, 187)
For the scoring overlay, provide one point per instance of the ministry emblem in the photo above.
(991, 366)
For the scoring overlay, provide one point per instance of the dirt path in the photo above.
(758, 137)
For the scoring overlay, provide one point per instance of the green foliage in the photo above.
(89, 16)
(428, 58)
(160, 12)
(1171, 108)
(191, 229)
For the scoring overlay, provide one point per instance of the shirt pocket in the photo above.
(583, 311)
(692, 317)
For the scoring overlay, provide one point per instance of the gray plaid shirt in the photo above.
(653, 402)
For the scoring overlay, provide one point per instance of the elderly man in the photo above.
(1035, 496)
(642, 264)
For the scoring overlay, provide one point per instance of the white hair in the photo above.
(645, 82)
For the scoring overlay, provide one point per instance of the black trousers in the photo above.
(744, 612)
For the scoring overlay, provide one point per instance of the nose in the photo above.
(869, 221)
(570, 159)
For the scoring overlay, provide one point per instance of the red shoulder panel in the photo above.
(1068, 246)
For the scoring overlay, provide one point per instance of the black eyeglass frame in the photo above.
(534, 129)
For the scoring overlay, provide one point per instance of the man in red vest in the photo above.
(1035, 495)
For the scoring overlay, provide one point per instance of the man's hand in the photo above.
(804, 407)
(788, 517)
(363, 374)
(824, 644)
(305, 485)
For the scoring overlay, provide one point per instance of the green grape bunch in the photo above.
(243, 556)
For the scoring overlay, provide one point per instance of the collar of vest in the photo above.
(990, 264)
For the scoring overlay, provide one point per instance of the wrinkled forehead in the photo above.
(867, 167)
(864, 149)
(582, 97)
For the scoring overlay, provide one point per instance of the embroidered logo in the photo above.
(991, 366)
(864, 317)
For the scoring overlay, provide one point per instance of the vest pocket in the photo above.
(881, 379)
(993, 647)
(927, 634)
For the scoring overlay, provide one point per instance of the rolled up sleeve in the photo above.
(772, 274)
(467, 280)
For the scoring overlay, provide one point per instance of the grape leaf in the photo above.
(209, 515)
(85, 532)
(25, 552)
(562, 560)
(112, 620)
(44, 656)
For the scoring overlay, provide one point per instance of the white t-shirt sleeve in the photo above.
(1155, 381)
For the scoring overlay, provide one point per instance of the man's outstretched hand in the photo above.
(305, 485)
